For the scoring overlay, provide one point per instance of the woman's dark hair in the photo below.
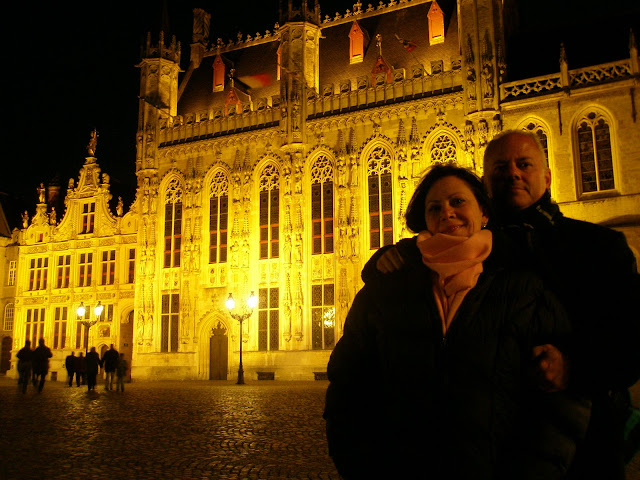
(416, 209)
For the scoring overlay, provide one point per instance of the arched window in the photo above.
(356, 43)
(269, 212)
(8, 316)
(322, 205)
(172, 224)
(533, 127)
(218, 74)
(435, 18)
(380, 198)
(443, 149)
(218, 218)
(596, 159)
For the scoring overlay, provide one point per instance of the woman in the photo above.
(430, 377)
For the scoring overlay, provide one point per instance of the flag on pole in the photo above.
(408, 45)
(256, 81)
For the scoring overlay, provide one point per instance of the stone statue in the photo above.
(41, 193)
(119, 207)
(25, 219)
(93, 143)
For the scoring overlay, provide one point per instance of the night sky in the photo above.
(71, 69)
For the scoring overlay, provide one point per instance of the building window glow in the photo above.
(218, 218)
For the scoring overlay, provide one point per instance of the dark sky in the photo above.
(71, 69)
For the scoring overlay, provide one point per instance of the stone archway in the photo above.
(218, 353)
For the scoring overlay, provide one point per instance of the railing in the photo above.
(578, 78)
(214, 123)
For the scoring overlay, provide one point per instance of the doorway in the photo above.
(126, 342)
(219, 353)
(5, 358)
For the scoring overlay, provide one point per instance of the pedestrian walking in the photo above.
(121, 372)
(41, 356)
(110, 362)
(70, 365)
(93, 365)
(25, 358)
(81, 369)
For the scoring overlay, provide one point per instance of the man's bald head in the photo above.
(515, 171)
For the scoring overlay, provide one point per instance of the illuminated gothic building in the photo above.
(276, 163)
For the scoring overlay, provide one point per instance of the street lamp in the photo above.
(252, 302)
(80, 311)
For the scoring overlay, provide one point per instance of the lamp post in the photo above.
(252, 302)
(80, 311)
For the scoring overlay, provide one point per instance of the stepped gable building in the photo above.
(277, 163)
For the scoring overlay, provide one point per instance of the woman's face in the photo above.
(452, 208)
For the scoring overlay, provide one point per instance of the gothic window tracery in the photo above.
(269, 186)
(218, 217)
(539, 131)
(322, 198)
(443, 149)
(380, 198)
(596, 159)
(172, 224)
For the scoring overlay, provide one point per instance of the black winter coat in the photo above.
(406, 402)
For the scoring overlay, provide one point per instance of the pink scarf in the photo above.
(457, 261)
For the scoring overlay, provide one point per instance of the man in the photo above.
(41, 356)
(594, 274)
(110, 362)
(25, 358)
(93, 365)
(70, 365)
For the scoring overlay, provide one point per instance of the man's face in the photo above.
(515, 172)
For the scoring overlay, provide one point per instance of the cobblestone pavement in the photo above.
(165, 430)
(170, 430)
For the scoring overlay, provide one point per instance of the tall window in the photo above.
(356, 43)
(323, 315)
(435, 18)
(322, 205)
(269, 212)
(59, 327)
(172, 224)
(170, 322)
(108, 267)
(542, 136)
(596, 160)
(34, 325)
(380, 198)
(38, 268)
(443, 149)
(218, 218)
(268, 319)
(218, 74)
(85, 269)
(12, 272)
(131, 266)
(63, 271)
(8, 316)
(88, 217)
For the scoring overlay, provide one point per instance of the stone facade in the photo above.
(277, 164)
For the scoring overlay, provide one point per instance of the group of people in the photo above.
(33, 365)
(498, 343)
(86, 368)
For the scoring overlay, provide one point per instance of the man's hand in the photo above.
(551, 369)
(390, 261)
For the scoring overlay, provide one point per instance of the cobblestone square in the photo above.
(165, 430)
(170, 430)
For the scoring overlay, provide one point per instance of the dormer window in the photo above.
(88, 217)
(218, 74)
(356, 43)
(436, 24)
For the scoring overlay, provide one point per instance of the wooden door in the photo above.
(219, 353)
